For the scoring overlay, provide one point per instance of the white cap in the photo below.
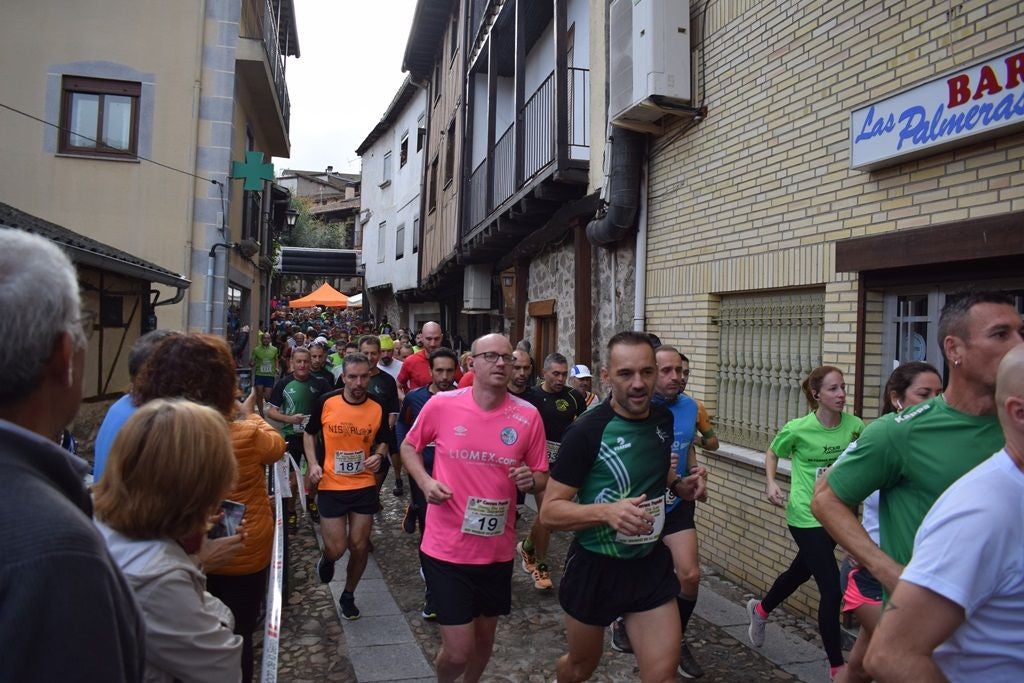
(579, 371)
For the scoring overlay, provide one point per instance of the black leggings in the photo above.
(243, 595)
(816, 558)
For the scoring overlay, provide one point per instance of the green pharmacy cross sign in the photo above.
(253, 170)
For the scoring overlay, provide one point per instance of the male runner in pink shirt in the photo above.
(488, 444)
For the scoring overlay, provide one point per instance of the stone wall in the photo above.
(551, 277)
(614, 285)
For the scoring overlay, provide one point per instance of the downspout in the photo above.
(627, 158)
(640, 272)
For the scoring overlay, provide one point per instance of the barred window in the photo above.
(768, 343)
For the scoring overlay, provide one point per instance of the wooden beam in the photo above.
(522, 292)
(492, 106)
(541, 308)
(561, 85)
(583, 319)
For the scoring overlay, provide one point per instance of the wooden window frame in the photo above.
(449, 154)
(72, 85)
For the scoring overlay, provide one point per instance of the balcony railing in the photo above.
(505, 166)
(259, 23)
(537, 117)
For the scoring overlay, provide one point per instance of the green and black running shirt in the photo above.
(608, 458)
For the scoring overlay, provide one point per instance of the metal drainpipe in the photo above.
(640, 276)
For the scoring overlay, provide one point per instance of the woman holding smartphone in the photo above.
(169, 468)
(811, 443)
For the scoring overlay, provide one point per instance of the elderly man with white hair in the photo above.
(67, 613)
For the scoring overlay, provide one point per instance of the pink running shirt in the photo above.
(473, 453)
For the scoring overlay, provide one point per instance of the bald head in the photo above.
(1010, 392)
(431, 335)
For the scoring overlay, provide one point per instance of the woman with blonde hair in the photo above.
(199, 367)
(169, 468)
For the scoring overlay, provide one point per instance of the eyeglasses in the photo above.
(493, 356)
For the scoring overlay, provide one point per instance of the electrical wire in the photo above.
(137, 156)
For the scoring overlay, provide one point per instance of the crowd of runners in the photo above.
(466, 432)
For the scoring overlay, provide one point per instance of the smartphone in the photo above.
(228, 525)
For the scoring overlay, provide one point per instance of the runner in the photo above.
(908, 385)
(290, 403)
(382, 387)
(487, 445)
(608, 485)
(958, 610)
(442, 366)
(318, 365)
(264, 364)
(912, 459)
(680, 533)
(559, 406)
(705, 437)
(415, 371)
(522, 368)
(388, 363)
(355, 432)
(811, 443)
(581, 380)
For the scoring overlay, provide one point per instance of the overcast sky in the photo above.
(350, 69)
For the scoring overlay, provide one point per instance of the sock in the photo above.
(528, 545)
(686, 604)
(760, 611)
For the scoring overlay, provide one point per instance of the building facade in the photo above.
(130, 142)
(392, 168)
(793, 226)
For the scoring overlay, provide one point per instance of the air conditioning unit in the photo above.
(648, 59)
(476, 287)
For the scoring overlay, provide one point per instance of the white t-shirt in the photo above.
(393, 369)
(970, 550)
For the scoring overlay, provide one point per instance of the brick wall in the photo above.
(754, 197)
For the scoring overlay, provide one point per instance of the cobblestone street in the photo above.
(529, 641)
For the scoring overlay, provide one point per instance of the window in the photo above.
(382, 237)
(400, 241)
(453, 36)
(767, 345)
(403, 151)
(449, 154)
(545, 326)
(436, 84)
(421, 132)
(386, 179)
(416, 235)
(99, 117)
(432, 186)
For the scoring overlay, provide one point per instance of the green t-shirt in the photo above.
(811, 448)
(912, 458)
(264, 360)
(296, 397)
(608, 458)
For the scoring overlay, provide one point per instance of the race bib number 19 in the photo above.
(485, 517)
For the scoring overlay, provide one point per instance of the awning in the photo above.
(325, 295)
(89, 252)
(355, 301)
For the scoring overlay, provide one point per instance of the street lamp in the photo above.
(291, 217)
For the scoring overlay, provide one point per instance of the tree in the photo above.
(311, 232)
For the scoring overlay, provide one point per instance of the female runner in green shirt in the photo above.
(811, 443)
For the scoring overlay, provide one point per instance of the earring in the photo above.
(956, 363)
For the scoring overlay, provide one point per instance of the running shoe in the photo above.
(688, 666)
(324, 569)
(347, 601)
(757, 624)
(541, 577)
(293, 522)
(528, 560)
(409, 520)
(314, 511)
(428, 612)
(620, 639)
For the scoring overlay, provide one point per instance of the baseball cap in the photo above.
(579, 371)
(386, 342)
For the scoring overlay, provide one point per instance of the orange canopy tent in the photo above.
(325, 295)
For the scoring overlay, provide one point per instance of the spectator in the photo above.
(169, 468)
(66, 612)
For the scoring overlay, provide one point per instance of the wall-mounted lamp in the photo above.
(291, 217)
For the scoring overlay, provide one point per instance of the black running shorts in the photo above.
(595, 589)
(463, 592)
(362, 501)
(680, 518)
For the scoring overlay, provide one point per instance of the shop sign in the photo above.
(968, 105)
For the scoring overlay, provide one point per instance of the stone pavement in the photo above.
(392, 642)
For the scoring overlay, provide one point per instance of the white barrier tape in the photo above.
(298, 482)
(272, 628)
